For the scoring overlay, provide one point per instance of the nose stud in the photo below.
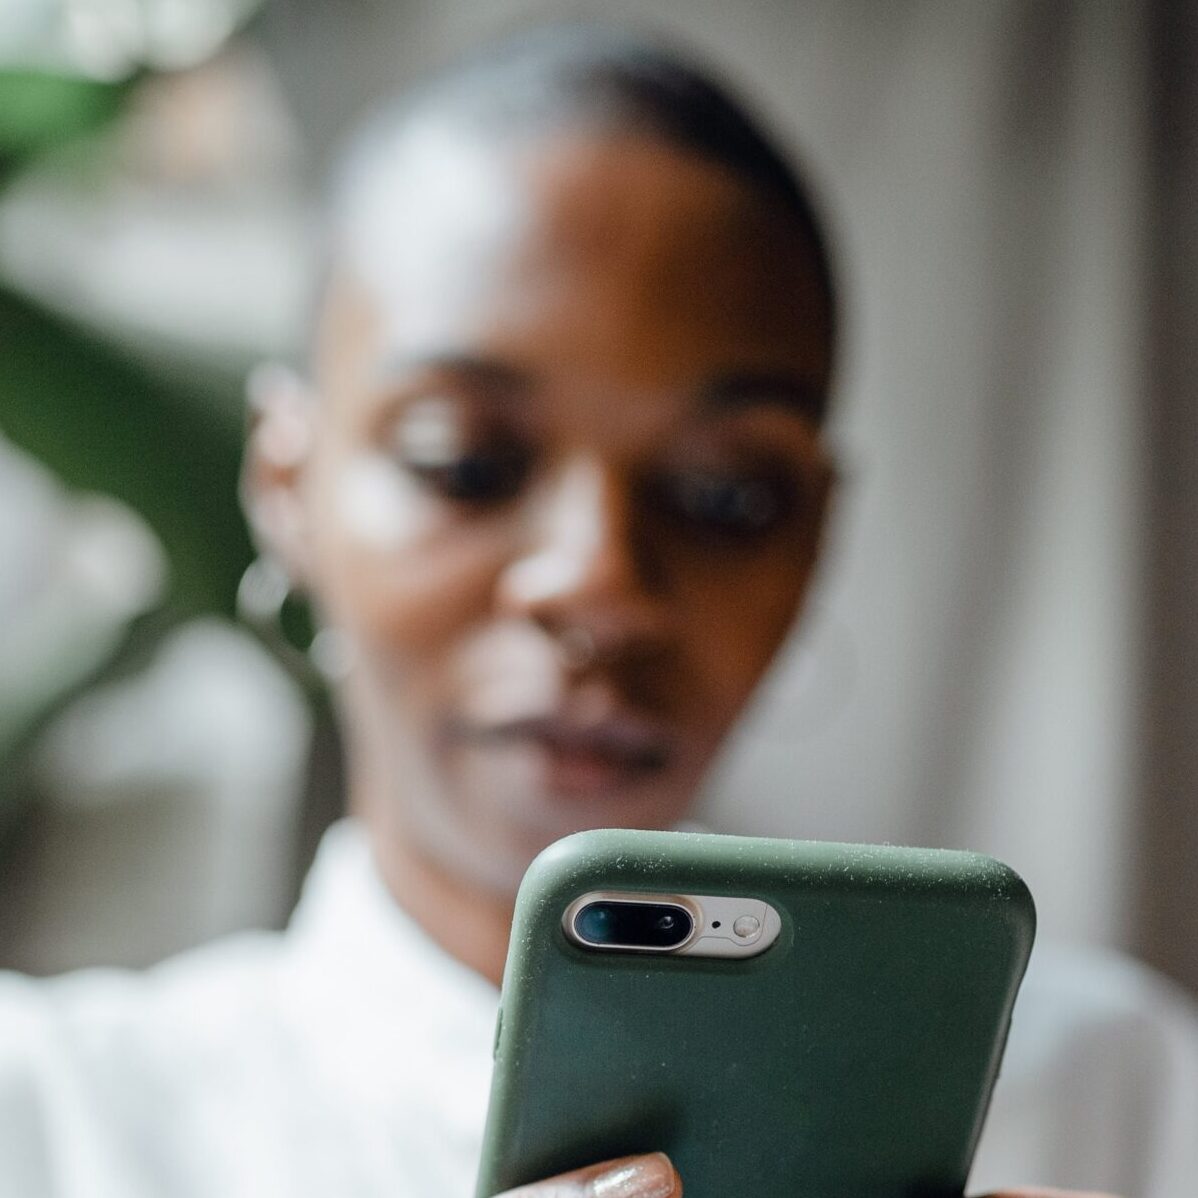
(576, 648)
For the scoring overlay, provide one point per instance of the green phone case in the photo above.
(852, 1059)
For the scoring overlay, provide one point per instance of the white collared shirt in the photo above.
(351, 1056)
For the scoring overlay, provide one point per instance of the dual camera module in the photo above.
(694, 925)
(690, 925)
(608, 924)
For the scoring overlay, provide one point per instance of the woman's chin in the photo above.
(515, 800)
(498, 805)
(573, 789)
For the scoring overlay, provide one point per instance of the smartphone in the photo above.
(785, 1019)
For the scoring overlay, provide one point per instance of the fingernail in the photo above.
(646, 1177)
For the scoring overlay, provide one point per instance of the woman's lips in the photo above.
(584, 759)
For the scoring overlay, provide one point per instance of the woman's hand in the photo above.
(649, 1176)
(1045, 1192)
(654, 1177)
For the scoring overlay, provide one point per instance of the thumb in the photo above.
(650, 1176)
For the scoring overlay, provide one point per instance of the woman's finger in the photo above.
(1046, 1192)
(649, 1176)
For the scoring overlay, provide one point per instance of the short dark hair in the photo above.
(583, 76)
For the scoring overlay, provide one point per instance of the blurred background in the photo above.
(1003, 654)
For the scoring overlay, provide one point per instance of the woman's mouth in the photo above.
(583, 759)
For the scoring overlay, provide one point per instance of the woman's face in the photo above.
(562, 494)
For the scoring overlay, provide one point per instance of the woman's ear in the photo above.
(278, 447)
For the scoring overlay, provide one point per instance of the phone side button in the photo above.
(498, 1033)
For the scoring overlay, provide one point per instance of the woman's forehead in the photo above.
(574, 247)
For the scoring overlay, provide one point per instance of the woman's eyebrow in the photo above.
(477, 371)
(743, 389)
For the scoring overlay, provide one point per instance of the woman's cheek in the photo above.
(407, 569)
(732, 653)
(378, 511)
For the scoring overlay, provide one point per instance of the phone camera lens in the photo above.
(632, 925)
(593, 923)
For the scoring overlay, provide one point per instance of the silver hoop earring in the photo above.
(262, 594)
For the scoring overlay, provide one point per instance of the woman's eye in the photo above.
(726, 503)
(436, 443)
(479, 476)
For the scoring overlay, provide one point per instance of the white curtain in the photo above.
(973, 665)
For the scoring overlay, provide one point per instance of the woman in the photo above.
(556, 481)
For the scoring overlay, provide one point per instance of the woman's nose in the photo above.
(583, 569)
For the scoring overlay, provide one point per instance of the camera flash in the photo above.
(746, 926)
